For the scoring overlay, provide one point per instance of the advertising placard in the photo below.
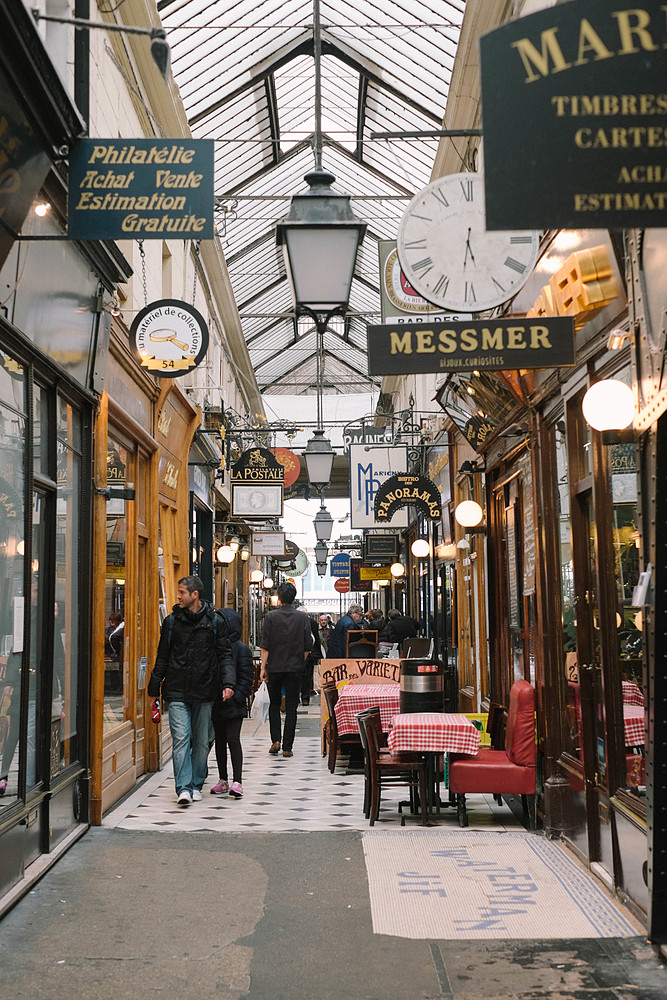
(169, 337)
(491, 344)
(370, 467)
(257, 485)
(574, 117)
(267, 543)
(142, 189)
(399, 302)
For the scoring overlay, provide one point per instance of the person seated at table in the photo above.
(400, 626)
(350, 620)
(377, 622)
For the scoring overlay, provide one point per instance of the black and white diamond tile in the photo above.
(281, 795)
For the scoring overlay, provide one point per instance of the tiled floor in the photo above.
(281, 795)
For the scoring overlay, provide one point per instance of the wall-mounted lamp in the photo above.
(466, 469)
(234, 543)
(245, 553)
(117, 493)
(267, 582)
(256, 576)
(42, 208)
(420, 548)
(468, 514)
(225, 554)
(609, 406)
(397, 570)
(275, 600)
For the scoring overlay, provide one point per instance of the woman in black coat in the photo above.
(228, 716)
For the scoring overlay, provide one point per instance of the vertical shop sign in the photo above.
(370, 467)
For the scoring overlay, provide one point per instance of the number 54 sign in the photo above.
(169, 337)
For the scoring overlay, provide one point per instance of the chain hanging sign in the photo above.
(169, 338)
(589, 82)
(257, 485)
(141, 189)
(408, 491)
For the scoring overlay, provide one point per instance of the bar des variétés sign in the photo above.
(141, 189)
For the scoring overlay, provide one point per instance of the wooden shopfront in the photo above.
(125, 575)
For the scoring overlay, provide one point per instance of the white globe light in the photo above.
(256, 576)
(468, 514)
(609, 405)
(225, 554)
(420, 548)
(267, 582)
(397, 569)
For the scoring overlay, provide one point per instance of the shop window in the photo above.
(573, 731)
(12, 568)
(65, 685)
(114, 596)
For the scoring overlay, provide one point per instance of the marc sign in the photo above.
(141, 189)
(474, 344)
(581, 86)
(170, 338)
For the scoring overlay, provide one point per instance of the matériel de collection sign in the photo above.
(141, 189)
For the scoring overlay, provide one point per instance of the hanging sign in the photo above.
(588, 81)
(339, 566)
(492, 344)
(408, 491)
(342, 585)
(268, 543)
(257, 485)
(399, 302)
(381, 547)
(144, 189)
(367, 573)
(169, 338)
(370, 467)
(290, 462)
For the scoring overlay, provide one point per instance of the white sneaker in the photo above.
(196, 795)
(184, 799)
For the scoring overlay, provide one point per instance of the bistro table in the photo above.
(354, 698)
(632, 694)
(433, 734)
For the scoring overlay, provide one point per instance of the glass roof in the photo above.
(246, 74)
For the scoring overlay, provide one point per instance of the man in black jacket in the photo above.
(193, 666)
(400, 626)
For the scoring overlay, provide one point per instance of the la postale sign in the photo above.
(490, 344)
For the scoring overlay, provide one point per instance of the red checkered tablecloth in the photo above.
(355, 698)
(433, 732)
(633, 723)
(632, 694)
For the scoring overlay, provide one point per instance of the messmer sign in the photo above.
(490, 344)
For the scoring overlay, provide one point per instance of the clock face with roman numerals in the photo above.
(450, 258)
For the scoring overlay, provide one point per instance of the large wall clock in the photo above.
(447, 254)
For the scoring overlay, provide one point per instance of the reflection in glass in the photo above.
(12, 552)
(114, 599)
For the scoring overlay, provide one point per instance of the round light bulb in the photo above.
(468, 514)
(225, 554)
(420, 548)
(639, 620)
(267, 582)
(397, 569)
(256, 576)
(609, 405)
(42, 208)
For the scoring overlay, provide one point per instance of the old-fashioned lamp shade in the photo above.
(468, 514)
(609, 405)
(323, 524)
(320, 238)
(319, 456)
(225, 554)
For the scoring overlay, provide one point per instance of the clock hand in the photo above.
(468, 250)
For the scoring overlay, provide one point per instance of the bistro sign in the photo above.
(257, 485)
(141, 189)
(408, 491)
(490, 344)
(589, 80)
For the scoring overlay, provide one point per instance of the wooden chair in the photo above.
(362, 644)
(336, 742)
(374, 715)
(387, 769)
(502, 772)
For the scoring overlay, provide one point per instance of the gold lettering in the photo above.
(539, 337)
(400, 344)
(447, 340)
(590, 40)
(515, 339)
(468, 339)
(536, 63)
(425, 343)
(627, 31)
(492, 341)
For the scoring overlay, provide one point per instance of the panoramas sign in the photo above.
(143, 189)
(257, 485)
(169, 337)
(408, 491)
(580, 89)
(475, 344)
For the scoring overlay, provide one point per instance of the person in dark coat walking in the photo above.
(228, 715)
(193, 665)
(313, 657)
(400, 626)
(378, 623)
(287, 639)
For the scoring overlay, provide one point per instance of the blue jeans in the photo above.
(190, 724)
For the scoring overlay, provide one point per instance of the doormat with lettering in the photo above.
(444, 884)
